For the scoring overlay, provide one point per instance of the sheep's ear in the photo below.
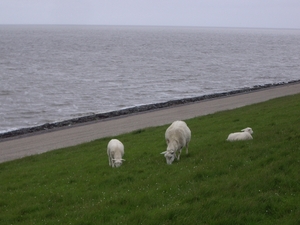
(163, 152)
(123, 159)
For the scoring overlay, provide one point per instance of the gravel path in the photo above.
(39, 142)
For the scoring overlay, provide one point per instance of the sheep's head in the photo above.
(248, 129)
(118, 162)
(169, 155)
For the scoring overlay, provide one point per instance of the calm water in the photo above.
(54, 73)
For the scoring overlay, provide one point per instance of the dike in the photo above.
(135, 109)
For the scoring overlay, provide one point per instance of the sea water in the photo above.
(54, 73)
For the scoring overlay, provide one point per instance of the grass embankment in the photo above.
(253, 182)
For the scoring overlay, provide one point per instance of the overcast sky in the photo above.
(204, 13)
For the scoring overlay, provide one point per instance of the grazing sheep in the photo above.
(115, 152)
(178, 136)
(241, 136)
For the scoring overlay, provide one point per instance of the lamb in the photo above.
(177, 136)
(115, 152)
(241, 136)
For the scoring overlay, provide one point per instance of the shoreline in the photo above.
(48, 127)
(61, 137)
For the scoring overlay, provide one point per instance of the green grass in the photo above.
(218, 182)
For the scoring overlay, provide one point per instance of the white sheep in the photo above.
(177, 136)
(115, 152)
(241, 136)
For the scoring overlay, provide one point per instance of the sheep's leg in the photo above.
(187, 148)
(178, 157)
(109, 162)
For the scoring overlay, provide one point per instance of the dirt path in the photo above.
(64, 137)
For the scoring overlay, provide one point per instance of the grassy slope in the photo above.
(218, 182)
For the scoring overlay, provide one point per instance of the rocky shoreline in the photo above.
(135, 109)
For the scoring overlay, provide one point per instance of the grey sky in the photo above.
(208, 13)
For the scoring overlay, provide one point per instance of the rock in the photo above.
(135, 109)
